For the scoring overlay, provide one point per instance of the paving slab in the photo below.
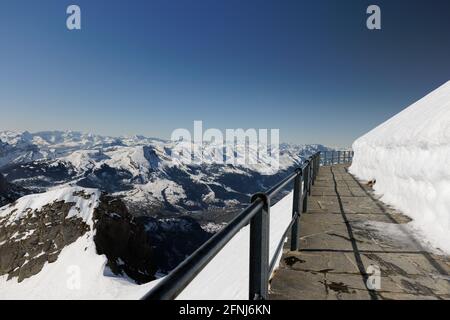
(347, 237)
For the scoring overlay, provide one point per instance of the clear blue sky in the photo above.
(309, 68)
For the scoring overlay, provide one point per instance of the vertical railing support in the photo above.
(296, 210)
(316, 157)
(305, 187)
(259, 251)
(310, 177)
(315, 168)
(318, 164)
(319, 159)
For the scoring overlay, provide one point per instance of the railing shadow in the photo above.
(356, 253)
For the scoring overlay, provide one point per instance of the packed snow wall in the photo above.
(409, 157)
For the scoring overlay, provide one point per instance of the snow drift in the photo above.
(409, 156)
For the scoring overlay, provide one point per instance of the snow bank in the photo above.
(409, 156)
(226, 277)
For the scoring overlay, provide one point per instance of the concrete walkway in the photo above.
(346, 230)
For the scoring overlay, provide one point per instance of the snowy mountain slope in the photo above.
(141, 170)
(85, 245)
(41, 262)
(59, 280)
(409, 156)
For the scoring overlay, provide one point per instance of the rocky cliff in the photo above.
(74, 226)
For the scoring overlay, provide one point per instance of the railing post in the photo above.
(310, 177)
(259, 251)
(296, 209)
(305, 188)
(316, 167)
(318, 164)
(339, 157)
(313, 169)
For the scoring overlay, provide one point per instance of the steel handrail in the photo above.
(194, 264)
(257, 214)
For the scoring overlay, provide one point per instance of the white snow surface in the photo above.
(409, 156)
(79, 272)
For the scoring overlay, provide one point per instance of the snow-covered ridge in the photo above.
(131, 153)
(409, 156)
(84, 202)
(140, 169)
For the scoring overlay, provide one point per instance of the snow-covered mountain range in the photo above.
(138, 169)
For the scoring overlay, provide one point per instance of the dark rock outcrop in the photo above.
(140, 247)
(38, 237)
(123, 241)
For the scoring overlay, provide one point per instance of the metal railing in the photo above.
(257, 214)
(335, 157)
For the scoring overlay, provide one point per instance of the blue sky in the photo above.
(309, 68)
